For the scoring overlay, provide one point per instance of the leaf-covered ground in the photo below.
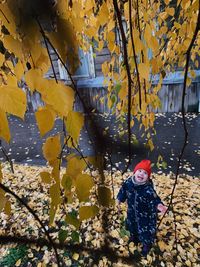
(26, 182)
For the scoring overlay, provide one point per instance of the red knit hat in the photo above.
(145, 165)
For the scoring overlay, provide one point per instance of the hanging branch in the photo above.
(4, 16)
(134, 55)
(124, 41)
(7, 190)
(183, 112)
(138, 18)
(46, 44)
(7, 157)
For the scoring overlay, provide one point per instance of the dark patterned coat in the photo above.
(142, 202)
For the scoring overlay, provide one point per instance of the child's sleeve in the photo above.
(154, 198)
(122, 196)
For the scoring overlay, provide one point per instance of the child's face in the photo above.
(141, 176)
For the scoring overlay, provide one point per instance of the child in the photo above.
(143, 205)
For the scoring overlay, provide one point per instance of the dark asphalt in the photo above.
(26, 144)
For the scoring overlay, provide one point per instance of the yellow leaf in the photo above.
(2, 59)
(162, 245)
(111, 41)
(2, 200)
(18, 263)
(104, 196)
(19, 70)
(144, 70)
(45, 119)
(75, 166)
(74, 123)
(13, 100)
(170, 11)
(75, 256)
(32, 77)
(4, 127)
(7, 208)
(52, 148)
(87, 212)
(59, 96)
(55, 194)
(72, 219)
(46, 177)
(13, 45)
(66, 182)
(103, 14)
(83, 185)
(147, 32)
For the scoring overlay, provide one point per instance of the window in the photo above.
(85, 70)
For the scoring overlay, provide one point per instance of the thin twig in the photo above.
(134, 54)
(46, 44)
(5, 16)
(183, 112)
(124, 41)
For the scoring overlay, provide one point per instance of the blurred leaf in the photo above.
(74, 123)
(87, 212)
(104, 196)
(71, 218)
(62, 235)
(4, 127)
(83, 184)
(46, 177)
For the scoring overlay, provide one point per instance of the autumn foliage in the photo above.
(146, 39)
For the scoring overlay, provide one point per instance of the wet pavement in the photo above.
(103, 136)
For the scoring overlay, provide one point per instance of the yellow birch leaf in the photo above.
(13, 46)
(74, 123)
(46, 177)
(75, 166)
(4, 127)
(170, 11)
(87, 212)
(55, 194)
(147, 32)
(59, 96)
(103, 14)
(2, 200)
(32, 77)
(75, 256)
(7, 208)
(11, 80)
(83, 185)
(154, 45)
(66, 182)
(52, 148)
(13, 100)
(162, 245)
(144, 70)
(18, 263)
(111, 25)
(89, 4)
(104, 196)
(2, 59)
(100, 45)
(19, 70)
(72, 219)
(111, 41)
(45, 119)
